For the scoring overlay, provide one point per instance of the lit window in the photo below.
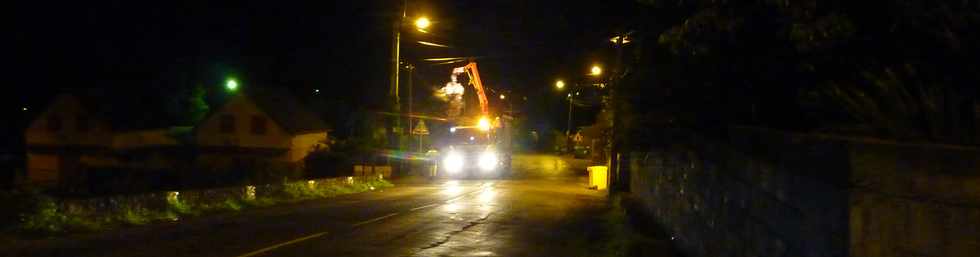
(227, 123)
(258, 125)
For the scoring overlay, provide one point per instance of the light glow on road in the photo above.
(452, 207)
(487, 196)
(452, 188)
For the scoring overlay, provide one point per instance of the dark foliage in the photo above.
(891, 69)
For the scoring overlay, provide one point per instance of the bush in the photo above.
(323, 163)
(43, 216)
(299, 190)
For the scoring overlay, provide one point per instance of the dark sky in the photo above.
(138, 52)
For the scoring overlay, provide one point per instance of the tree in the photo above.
(899, 69)
(189, 105)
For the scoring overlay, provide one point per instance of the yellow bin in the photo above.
(598, 177)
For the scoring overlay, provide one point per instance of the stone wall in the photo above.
(766, 193)
(912, 200)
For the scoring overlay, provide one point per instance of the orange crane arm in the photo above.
(474, 75)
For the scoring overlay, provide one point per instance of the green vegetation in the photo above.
(43, 216)
(301, 191)
(898, 70)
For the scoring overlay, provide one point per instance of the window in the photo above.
(54, 123)
(258, 125)
(82, 123)
(227, 123)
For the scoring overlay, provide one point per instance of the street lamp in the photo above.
(620, 39)
(560, 84)
(596, 70)
(422, 23)
(502, 97)
(231, 85)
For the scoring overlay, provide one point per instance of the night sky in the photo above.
(136, 54)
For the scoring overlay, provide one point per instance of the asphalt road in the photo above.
(545, 211)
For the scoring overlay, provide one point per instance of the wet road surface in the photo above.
(545, 211)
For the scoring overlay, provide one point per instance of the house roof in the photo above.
(117, 114)
(286, 110)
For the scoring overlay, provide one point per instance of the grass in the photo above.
(45, 218)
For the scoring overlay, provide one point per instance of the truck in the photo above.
(476, 146)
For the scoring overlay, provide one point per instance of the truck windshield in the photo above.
(468, 136)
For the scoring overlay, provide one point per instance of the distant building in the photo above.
(260, 128)
(61, 136)
(266, 125)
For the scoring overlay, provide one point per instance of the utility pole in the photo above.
(411, 71)
(395, 68)
(619, 179)
(568, 128)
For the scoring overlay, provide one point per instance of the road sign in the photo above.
(420, 129)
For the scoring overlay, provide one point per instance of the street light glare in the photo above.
(596, 70)
(560, 84)
(422, 23)
(615, 40)
(502, 97)
(231, 85)
(483, 124)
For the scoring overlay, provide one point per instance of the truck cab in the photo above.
(473, 152)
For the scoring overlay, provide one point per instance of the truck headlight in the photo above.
(453, 162)
(487, 161)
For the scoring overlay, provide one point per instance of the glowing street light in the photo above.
(615, 40)
(560, 84)
(502, 97)
(596, 70)
(231, 85)
(422, 23)
(483, 124)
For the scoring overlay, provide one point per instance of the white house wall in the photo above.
(303, 144)
(209, 134)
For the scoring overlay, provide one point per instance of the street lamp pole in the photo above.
(568, 128)
(411, 71)
(396, 67)
(619, 179)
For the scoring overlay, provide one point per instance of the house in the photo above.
(260, 125)
(254, 129)
(63, 135)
